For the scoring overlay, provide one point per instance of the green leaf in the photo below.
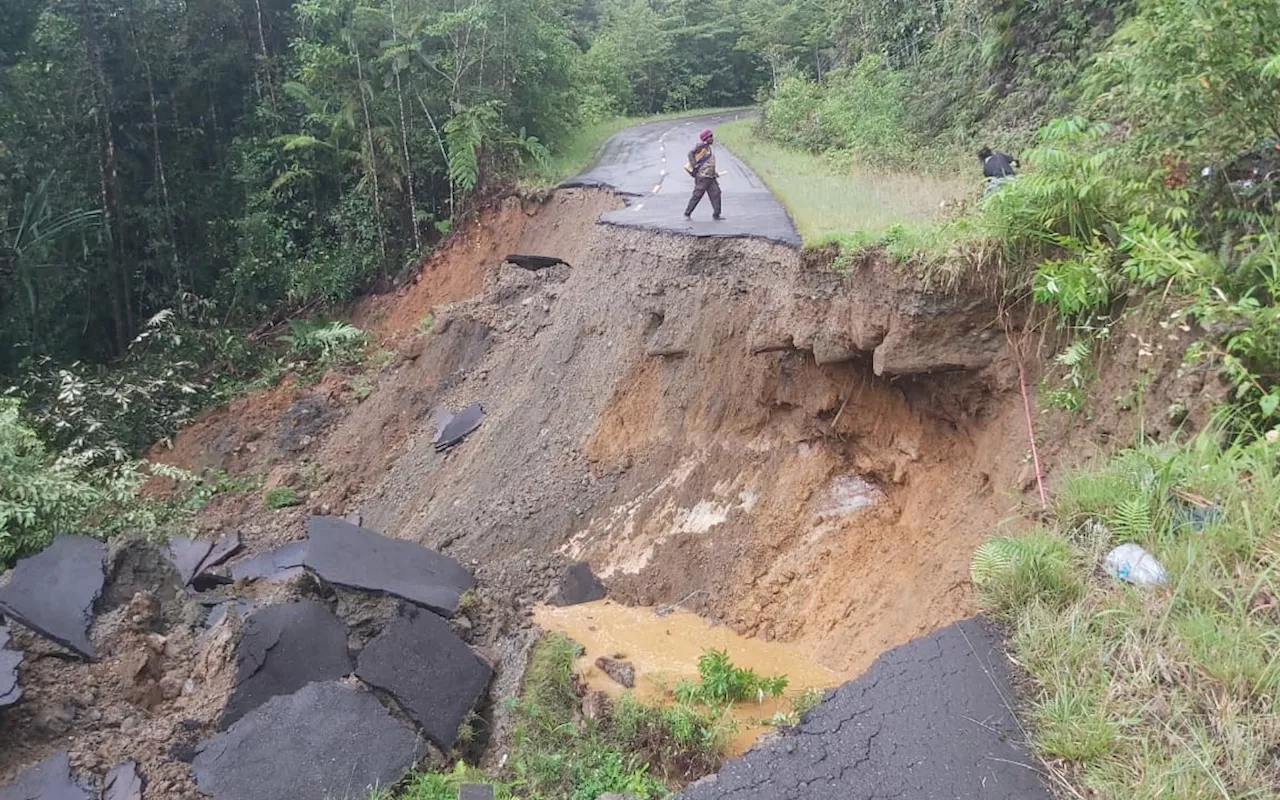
(1269, 403)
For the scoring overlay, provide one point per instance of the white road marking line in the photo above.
(656, 187)
(637, 206)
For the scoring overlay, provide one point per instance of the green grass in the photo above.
(280, 497)
(1153, 692)
(575, 154)
(836, 203)
(638, 749)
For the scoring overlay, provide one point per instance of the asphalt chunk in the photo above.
(277, 565)
(578, 584)
(51, 779)
(53, 591)
(228, 544)
(357, 558)
(431, 673)
(283, 648)
(123, 782)
(534, 263)
(327, 740)
(453, 428)
(10, 691)
(929, 719)
(187, 555)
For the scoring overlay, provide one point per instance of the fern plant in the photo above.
(324, 342)
(1013, 571)
(1132, 520)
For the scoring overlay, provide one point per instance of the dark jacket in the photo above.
(999, 165)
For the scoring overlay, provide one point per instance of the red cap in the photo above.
(705, 135)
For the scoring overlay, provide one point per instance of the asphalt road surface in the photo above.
(930, 720)
(645, 164)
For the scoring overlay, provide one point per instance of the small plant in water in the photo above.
(721, 683)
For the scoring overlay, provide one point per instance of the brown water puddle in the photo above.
(665, 650)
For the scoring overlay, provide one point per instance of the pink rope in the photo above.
(1031, 433)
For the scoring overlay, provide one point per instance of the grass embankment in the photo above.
(555, 754)
(572, 156)
(1154, 692)
(844, 203)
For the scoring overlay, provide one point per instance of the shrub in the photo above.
(280, 497)
(858, 110)
(1013, 571)
(42, 494)
(722, 683)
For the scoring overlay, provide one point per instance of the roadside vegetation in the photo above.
(836, 199)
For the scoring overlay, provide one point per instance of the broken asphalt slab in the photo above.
(431, 673)
(204, 579)
(327, 740)
(534, 263)
(453, 428)
(357, 558)
(187, 555)
(10, 691)
(929, 720)
(53, 591)
(123, 782)
(283, 648)
(277, 565)
(51, 779)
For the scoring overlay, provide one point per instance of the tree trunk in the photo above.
(373, 154)
(404, 139)
(266, 59)
(108, 187)
(157, 155)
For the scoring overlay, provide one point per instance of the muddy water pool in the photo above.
(665, 648)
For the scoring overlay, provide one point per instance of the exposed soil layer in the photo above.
(717, 424)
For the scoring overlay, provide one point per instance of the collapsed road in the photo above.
(664, 400)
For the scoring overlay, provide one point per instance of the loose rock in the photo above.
(283, 648)
(432, 674)
(325, 740)
(622, 672)
(578, 584)
(53, 591)
(358, 558)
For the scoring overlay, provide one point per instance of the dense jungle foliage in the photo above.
(229, 158)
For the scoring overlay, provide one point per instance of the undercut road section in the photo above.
(645, 165)
(930, 720)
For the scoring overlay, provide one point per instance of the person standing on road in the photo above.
(702, 166)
